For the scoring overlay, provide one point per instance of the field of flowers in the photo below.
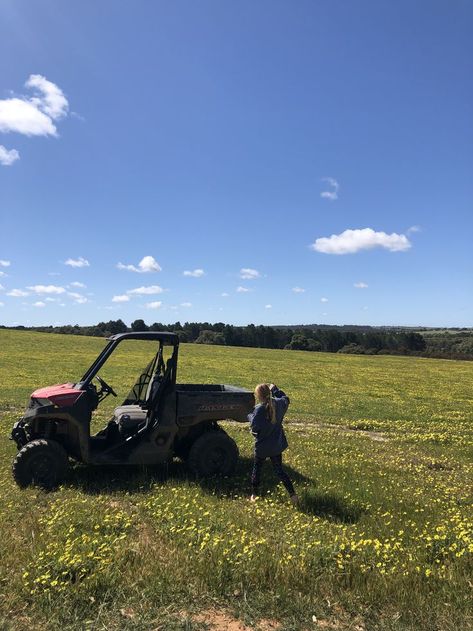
(380, 451)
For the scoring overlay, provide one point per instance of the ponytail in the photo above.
(263, 395)
(271, 410)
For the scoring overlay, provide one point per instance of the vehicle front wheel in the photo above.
(213, 453)
(42, 463)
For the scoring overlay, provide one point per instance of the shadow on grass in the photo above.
(329, 507)
(95, 480)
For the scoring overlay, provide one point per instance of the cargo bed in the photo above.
(201, 402)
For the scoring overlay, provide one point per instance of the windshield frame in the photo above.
(163, 339)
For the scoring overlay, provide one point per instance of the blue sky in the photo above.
(324, 148)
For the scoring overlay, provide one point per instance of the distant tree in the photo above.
(156, 326)
(313, 345)
(298, 343)
(352, 348)
(210, 337)
(415, 341)
(192, 329)
(182, 335)
(117, 326)
(139, 325)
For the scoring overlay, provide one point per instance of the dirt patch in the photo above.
(268, 625)
(336, 625)
(217, 619)
(439, 466)
(376, 436)
(221, 620)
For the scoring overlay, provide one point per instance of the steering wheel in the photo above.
(105, 387)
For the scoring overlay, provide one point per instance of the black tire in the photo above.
(42, 463)
(213, 453)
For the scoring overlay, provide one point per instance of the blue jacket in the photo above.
(270, 439)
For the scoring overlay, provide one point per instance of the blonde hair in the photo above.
(263, 395)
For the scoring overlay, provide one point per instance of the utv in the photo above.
(159, 419)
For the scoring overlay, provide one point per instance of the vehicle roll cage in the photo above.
(164, 338)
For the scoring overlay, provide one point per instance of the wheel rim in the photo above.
(42, 469)
(217, 459)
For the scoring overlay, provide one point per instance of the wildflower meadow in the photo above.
(381, 455)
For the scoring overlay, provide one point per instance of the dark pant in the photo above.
(276, 461)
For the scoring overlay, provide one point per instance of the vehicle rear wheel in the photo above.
(42, 463)
(213, 453)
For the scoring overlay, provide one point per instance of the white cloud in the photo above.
(39, 304)
(33, 116)
(360, 285)
(77, 284)
(48, 299)
(80, 262)
(121, 298)
(79, 298)
(17, 293)
(154, 305)
(78, 116)
(147, 264)
(242, 290)
(351, 241)
(8, 156)
(186, 304)
(2, 273)
(2, 304)
(246, 273)
(324, 299)
(196, 273)
(224, 294)
(22, 117)
(51, 99)
(414, 229)
(146, 291)
(333, 184)
(47, 289)
(298, 290)
(268, 306)
(4, 263)
(2, 287)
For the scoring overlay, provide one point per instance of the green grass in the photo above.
(383, 538)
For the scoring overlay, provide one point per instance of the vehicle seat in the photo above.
(133, 411)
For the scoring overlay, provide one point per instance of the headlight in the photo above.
(43, 401)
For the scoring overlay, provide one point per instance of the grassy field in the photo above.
(381, 453)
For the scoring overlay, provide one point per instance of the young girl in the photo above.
(270, 439)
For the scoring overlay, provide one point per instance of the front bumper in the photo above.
(18, 433)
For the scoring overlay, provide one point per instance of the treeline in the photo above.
(358, 340)
(451, 343)
(366, 340)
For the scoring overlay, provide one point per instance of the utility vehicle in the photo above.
(159, 419)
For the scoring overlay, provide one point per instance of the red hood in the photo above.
(61, 395)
